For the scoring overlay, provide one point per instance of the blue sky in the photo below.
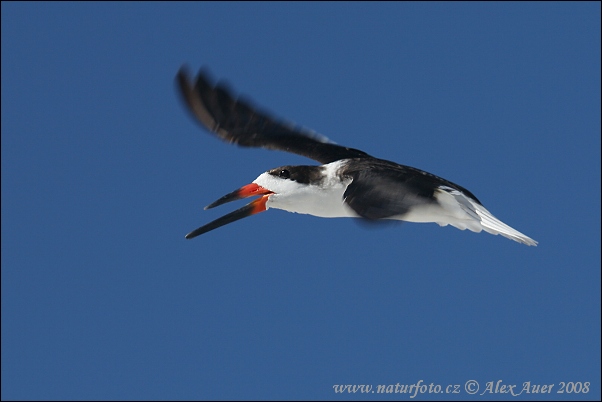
(104, 172)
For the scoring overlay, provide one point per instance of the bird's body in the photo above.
(349, 183)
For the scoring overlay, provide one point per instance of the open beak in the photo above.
(252, 208)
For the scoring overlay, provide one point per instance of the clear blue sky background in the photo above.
(104, 172)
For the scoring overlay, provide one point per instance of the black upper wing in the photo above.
(381, 189)
(237, 122)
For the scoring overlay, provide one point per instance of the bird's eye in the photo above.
(285, 174)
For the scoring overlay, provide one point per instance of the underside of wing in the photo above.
(236, 121)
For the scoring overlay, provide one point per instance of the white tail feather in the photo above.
(463, 212)
(494, 226)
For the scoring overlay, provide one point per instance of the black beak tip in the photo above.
(251, 208)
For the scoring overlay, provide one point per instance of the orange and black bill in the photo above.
(252, 208)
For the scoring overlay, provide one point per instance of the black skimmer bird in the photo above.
(349, 183)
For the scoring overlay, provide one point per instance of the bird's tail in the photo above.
(494, 226)
(468, 213)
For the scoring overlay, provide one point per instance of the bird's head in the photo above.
(277, 188)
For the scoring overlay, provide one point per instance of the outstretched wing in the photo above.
(238, 122)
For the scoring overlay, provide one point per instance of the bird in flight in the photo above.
(348, 183)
